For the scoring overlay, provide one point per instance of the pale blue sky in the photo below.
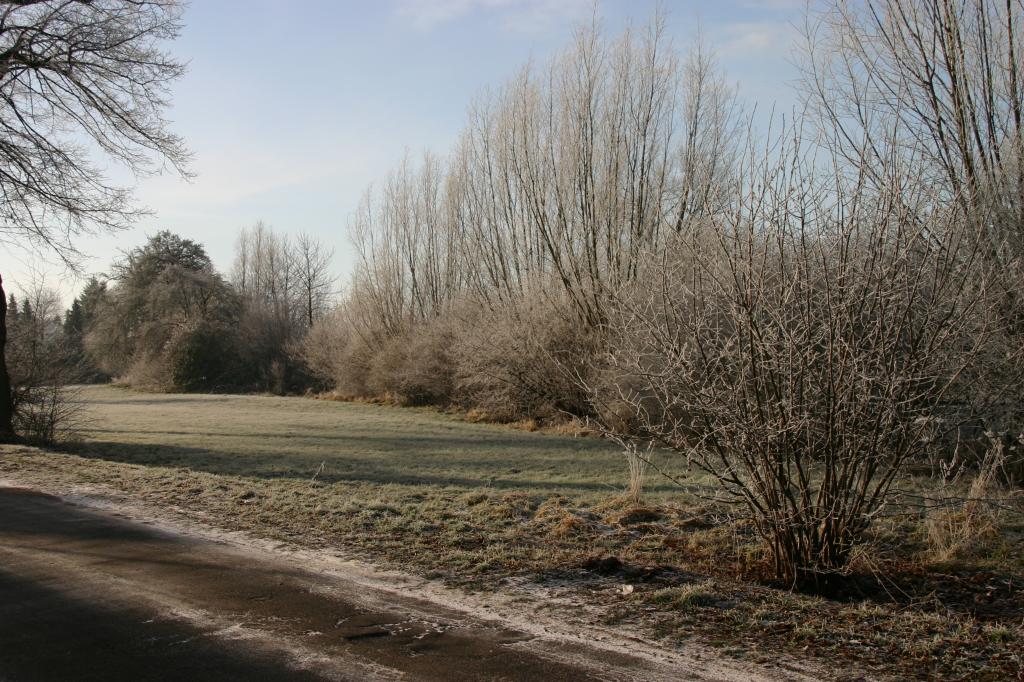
(293, 108)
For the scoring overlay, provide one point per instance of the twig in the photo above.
(322, 465)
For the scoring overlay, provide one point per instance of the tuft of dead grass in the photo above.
(962, 527)
(694, 595)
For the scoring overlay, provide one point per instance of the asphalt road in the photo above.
(86, 595)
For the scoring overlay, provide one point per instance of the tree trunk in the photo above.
(6, 404)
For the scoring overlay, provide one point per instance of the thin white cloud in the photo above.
(514, 15)
(234, 174)
(749, 39)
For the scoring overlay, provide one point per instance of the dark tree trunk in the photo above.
(6, 404)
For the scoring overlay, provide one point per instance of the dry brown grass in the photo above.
(966, 521)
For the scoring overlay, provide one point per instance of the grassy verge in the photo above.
(480, 506)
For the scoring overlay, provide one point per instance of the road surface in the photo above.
(88, 595)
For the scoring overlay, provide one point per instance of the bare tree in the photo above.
(43, 405)
(939, 79)
(6, 398)
(77, 76)
(266, 271)
(315, 280)
(410, 258)
(285, 286)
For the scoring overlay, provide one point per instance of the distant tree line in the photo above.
(165, 319)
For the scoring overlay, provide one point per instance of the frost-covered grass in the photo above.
(475, 504)
(290, 438)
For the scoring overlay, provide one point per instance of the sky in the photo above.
(293, 108)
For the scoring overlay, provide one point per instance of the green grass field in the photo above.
(290, 438)
(475, 504)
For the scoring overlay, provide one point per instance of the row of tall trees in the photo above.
(569, 172)
(561, 182)
(797, 314)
